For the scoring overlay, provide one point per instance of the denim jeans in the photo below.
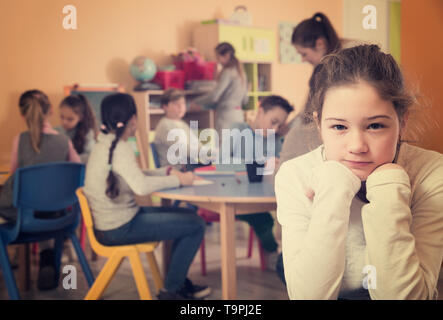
(181, 225)
(262, 224)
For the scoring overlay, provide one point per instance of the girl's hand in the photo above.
(387, 166)
(333, 175)
(186, 179)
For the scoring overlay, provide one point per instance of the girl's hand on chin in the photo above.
(387, 166)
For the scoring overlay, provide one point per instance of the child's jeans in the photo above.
(262, 224)
(182, 225)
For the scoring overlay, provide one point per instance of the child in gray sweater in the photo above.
(112, 180)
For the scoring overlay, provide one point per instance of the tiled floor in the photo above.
(253, 284)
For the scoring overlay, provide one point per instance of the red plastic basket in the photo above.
(198, 71)
(170, 79)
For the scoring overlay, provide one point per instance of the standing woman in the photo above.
(313, 38)
(230, 93)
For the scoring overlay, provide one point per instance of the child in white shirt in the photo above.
(361, 215)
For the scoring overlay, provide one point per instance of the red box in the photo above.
(170, 79)
(197, 71)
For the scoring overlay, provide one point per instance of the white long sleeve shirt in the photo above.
(181, 142)
(329, 241)
(109, 213)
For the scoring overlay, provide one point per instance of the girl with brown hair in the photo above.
(112, 180)
(361, 214)
(40, 144)
(78, 123)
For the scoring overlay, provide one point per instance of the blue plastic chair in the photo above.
(155, 155)
(44, 187)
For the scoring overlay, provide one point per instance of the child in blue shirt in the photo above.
(271, 115)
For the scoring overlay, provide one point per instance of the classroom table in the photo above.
(228, 195)
(4, 173)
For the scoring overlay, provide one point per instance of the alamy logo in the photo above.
(70, 280)
(235, 147)
(370, 20)
(70, 20)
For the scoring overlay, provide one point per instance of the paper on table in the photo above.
(215, 173)
(201, 182)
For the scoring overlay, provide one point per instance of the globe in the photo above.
(143, 69)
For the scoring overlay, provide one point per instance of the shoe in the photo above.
(47, 273)
(194, 290)
(167, 295)
(271, 260)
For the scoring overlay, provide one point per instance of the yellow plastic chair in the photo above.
(116, 254)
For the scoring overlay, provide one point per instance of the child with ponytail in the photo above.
(314, 38)
(39, 144)
(78, 123)
(113, 178)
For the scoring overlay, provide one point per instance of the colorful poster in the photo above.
(288, 54)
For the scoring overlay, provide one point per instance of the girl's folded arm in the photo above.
(314, 233)
(405, 246)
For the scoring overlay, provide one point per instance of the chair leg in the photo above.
(158, 281)
(203, 257)
(8, 275)
(262, 256)
(82, 259)
(139, 276)
(250, 242)
(82, 234)
(104, 278)
(260, 249)
(35, 248)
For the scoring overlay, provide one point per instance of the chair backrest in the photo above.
(89, 223)
(49, 186)
(155, 155)
(84, 206)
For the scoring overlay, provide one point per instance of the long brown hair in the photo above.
(361, 63)
(308, 31)
(116, 110)
(224, 48)
(34, 106)
(80, 106)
